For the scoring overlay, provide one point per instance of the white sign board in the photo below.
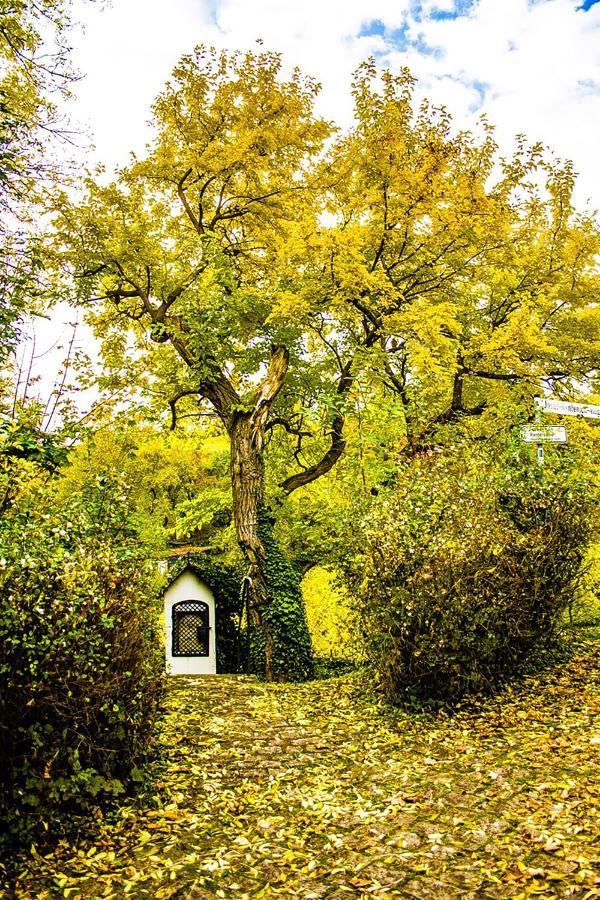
(555, 434)
(563, 408)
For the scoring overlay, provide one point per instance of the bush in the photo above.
(468, 568)
(80, 668)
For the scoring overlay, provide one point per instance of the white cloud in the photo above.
(532, 66)
(126, 52)
(538, 66)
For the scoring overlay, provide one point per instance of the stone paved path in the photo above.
(320, 790)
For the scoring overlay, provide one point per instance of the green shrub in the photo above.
(465, 569)
(80, 668)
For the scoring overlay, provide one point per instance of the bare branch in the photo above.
(288, 426)
(336, 434)
(185, 284)
(268, 391)
(327, 461)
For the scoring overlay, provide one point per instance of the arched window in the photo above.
(190, 628)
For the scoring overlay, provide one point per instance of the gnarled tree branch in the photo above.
(268, 391)
(337, 446)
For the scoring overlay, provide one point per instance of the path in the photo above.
(318, 791)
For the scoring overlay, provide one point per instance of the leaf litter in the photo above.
(322, 790)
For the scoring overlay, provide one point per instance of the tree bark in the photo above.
(247, 482)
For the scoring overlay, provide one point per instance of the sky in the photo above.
(532, 66)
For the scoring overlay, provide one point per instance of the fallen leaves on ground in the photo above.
(322, 791)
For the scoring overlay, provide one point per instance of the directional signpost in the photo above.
(538, 434)
(556, 434)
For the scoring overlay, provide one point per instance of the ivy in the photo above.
(285, 613)
(240, 649)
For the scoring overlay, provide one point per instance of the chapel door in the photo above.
(191, 628)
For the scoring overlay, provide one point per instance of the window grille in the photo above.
(190, 628)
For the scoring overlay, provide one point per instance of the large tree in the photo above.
(186, 245)
(273, 278)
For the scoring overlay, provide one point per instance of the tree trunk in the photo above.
(276, 606)
(247, 482)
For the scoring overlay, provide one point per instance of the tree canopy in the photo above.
(409, 252)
